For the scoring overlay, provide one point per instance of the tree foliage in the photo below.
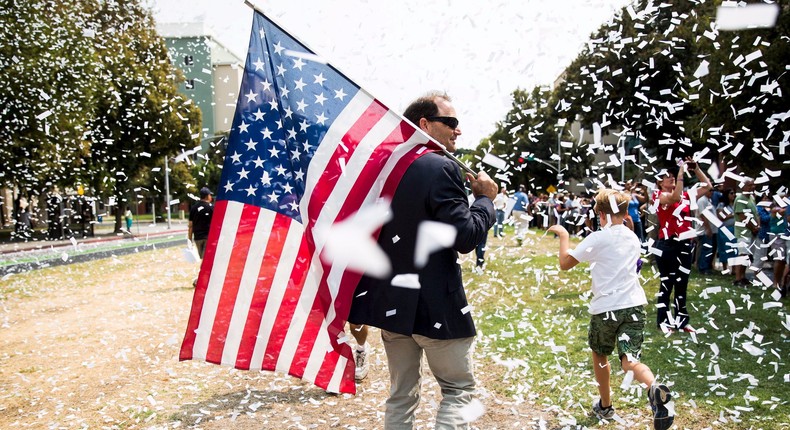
(139, 114)
(49, 75)
(666, 74)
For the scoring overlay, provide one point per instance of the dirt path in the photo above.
(95, 345)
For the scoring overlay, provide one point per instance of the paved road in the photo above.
(18, 257)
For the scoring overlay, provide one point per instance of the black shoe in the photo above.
(659, 396)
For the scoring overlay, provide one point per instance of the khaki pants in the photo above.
(450, 361)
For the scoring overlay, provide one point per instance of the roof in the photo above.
(220, 54)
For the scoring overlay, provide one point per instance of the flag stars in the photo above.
(303, 125)
(267, 86)
(300, 84)
(280, 70)
(294, 206)
(251, 191)
(284, 91)
(228, 187)
(267, 134)
(306, 145)
(292, 133)
(280, 170)
(299, 175)
(251, 145)
(320, 118)
(340, 94)
(320, 99)
(301, 105)
(288, 112)
(243, 173)
(258, 64)
(298, 64)
(295, 154)
(258, 162)
(287, 188)
(273, 197)
(258, 115)
(236, 157)
(278, 48)
(266, 180)
(274, 153)
(273, 104)
(251, 96)
(243, 127)
(319, 79)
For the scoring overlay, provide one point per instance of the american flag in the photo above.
(308, 148)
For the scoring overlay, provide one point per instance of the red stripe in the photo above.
(349, 281)
(271, 260)
(202, 284)
(321, 193)
(293, 290)
(330, 175)
(230, 287)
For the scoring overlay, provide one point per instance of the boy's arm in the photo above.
(566, 259)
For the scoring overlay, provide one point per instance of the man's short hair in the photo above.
(425, 106)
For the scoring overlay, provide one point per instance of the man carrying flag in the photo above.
(432, 315)
(308, 149)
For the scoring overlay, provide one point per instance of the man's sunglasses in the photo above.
(449, 121)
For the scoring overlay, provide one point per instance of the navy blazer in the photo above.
(431, 189)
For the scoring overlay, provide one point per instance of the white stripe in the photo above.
(383, 129)
(249, 279)
(326, 148)
(329, 211)
(337, 375)
(227, 237)
(279, 285)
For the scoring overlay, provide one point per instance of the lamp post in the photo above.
(167, 190)
(180, 157)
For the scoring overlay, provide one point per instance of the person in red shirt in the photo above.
(676, 242)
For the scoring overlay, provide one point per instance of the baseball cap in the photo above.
(205, 192)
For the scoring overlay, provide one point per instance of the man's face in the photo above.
(440, 131)
(748, 187)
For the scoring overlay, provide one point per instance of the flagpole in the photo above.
(442, 147)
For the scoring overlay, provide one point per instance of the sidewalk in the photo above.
(102, 233)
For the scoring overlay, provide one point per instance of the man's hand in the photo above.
(483, 185)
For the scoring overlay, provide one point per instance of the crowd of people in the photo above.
(729, 228)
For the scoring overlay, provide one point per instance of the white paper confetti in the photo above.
(431, 237)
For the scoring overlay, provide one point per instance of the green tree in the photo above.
(49, 74)
(140, 116)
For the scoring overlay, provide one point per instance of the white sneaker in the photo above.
(361, 364)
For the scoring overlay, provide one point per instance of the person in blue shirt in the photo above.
(638, 198)
(520, 213)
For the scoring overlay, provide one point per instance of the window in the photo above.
(188, 60)
(189, 84)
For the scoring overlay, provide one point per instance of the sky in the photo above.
(477, 51)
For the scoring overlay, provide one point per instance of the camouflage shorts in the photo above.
(624, 328)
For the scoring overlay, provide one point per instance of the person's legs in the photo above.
(201, 247)
(403, 360)
(667, 266)
(500, 223)
(602, 370)
(685, 257)
(361, 362)
(705, 259)
(452, 365)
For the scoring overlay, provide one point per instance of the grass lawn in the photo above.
(532, 318)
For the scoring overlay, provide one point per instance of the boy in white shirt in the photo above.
(618, 303)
